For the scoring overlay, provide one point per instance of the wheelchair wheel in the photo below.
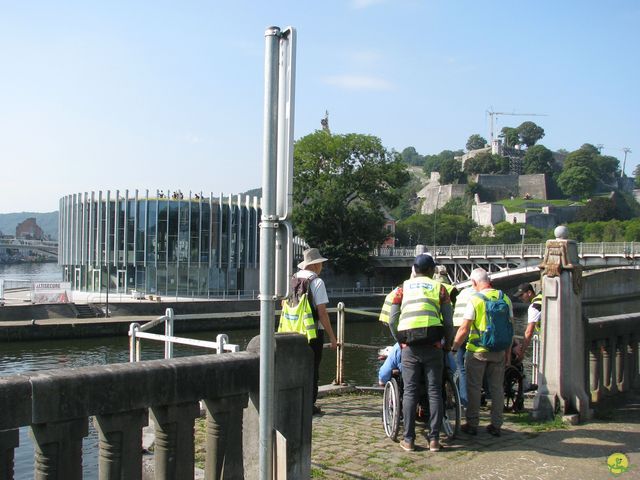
(391, 409)
(452, 411)
(513, 385)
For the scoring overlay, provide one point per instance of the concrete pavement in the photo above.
(349, 443)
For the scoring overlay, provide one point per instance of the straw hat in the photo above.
(311, 256)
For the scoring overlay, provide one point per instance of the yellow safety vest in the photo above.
(480, 323)
(298, 319)
(420, 304)
(386, 306)
(537, 300)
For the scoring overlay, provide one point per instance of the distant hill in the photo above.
(48, 222)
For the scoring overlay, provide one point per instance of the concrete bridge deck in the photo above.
(349, 443)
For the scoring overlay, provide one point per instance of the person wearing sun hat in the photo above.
(310, 269)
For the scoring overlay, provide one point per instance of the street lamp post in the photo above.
(522, 232)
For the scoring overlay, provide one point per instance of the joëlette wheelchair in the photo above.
(392, 404)
(513, 385)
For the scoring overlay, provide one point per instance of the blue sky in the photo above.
(166, 94)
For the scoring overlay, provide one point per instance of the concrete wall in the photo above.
(534, 185)
(487, 214)
(607, 290)
(433, 199)
(498, 186)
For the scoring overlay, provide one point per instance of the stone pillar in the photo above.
(120, 444)
(562, 385)
(292, 412)
(174, 449)
(9, 439)
(224, 438)
(58, 449)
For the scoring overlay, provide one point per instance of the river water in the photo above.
(361, 364)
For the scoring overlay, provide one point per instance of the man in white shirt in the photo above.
(310, 267)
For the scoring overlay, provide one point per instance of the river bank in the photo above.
(60, 321)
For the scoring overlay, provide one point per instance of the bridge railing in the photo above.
(612, 343)
(512, 250)
(120, 398)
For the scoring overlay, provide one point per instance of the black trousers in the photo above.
(316, 345)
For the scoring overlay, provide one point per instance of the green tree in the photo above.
(341, 184)
(475, 142)
(432, 163)
(529, 133)
(607, 167)
(636, 175)
(577, 182)
(451, 172)
(538, 159)
(412, 157)
(419, 229)
(510, 136)
(486, 162)
(597, 209)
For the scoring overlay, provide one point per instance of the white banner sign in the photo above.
(50, 292)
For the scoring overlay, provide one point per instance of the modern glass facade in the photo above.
(194, 247)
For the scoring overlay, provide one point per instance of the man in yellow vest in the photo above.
(424, 319)
(483, 355)
(310, 269)
(528, 295)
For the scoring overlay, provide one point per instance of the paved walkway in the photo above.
(349, 443)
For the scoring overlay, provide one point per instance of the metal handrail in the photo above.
(137, 332)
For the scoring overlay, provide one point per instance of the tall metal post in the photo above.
(268, 227)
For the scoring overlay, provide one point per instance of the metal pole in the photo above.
(340, 350)
(168, 331)
(268, 227)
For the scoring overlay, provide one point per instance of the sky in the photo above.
(169, 95)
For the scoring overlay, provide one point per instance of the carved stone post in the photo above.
(121, 444)
(58, 448)
(594, 371)
(224, 437)
(562, 384)
(174, 449)
(9, 439)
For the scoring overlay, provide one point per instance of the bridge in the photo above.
(585, 363)
(46, 248)
(508, 260)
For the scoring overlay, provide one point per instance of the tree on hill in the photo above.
(451, 172)
(486, 162)
(475, 142)
(636, 175)
(432, 163)
(341, 185)
(605, 167)
(411, 157)
(529, 133)
(419, 229)
(577, 181)
(538, 159)
(510, 136)
(596, 210)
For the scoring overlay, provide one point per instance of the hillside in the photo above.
(47, 221)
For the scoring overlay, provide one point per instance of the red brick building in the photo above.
(29, 230)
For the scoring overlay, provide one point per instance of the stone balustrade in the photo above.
(120, 398)
(612, 343)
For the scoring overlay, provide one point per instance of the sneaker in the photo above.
(407, 445)
(434, 445)
(468, 429)
(316, 410)
(495, 431)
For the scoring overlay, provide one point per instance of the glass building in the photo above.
(165, 245)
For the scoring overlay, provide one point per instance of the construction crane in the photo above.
(493, 114)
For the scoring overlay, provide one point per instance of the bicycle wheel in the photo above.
(513, 385)
(391, 409)
(452, 411)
